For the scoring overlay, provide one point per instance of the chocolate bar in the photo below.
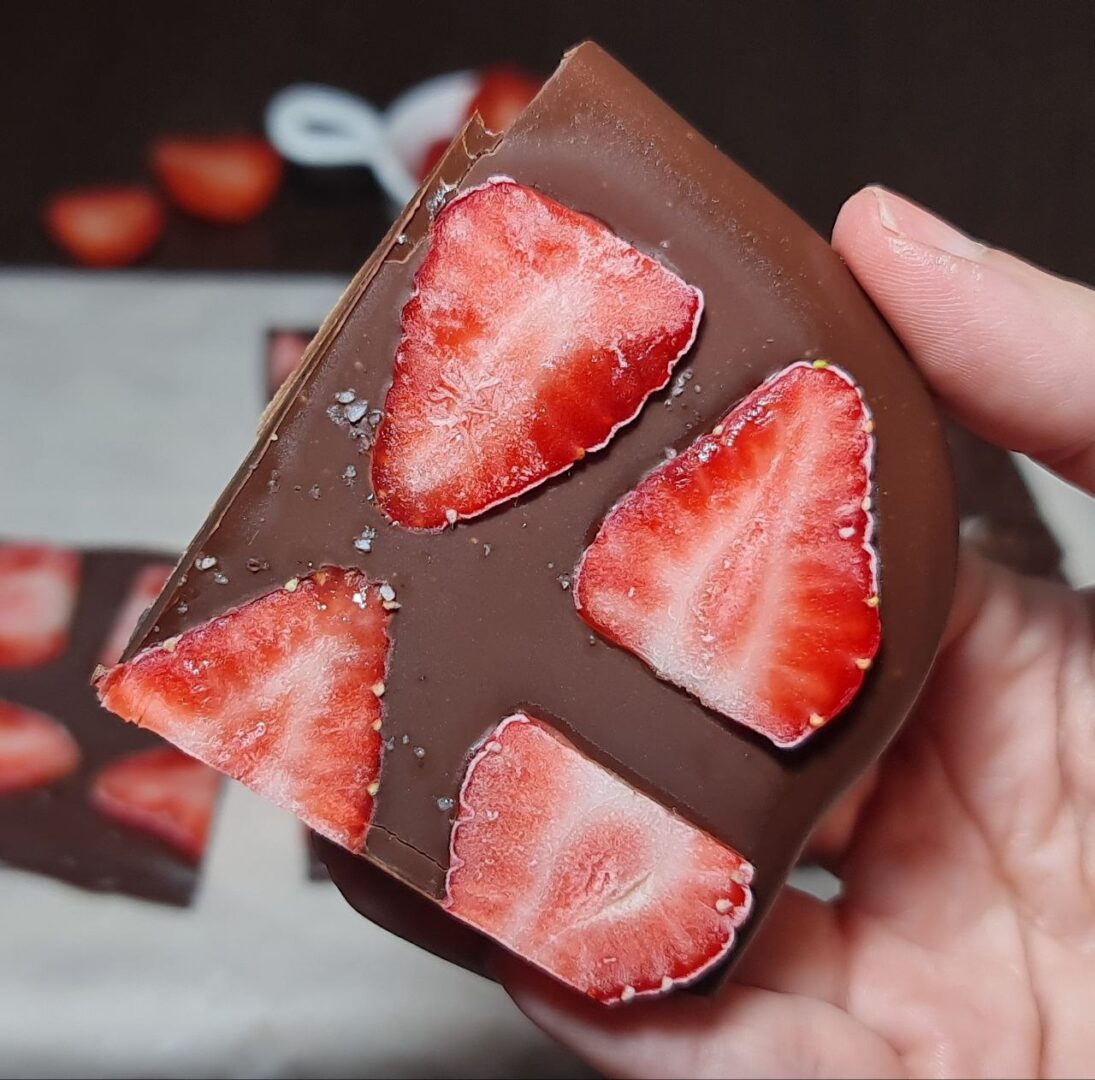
(106, 807)
(463, 617)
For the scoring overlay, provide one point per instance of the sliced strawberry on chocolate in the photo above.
(280, 694)
(572, 869)
(146, 586)
(742, 570)
(37, 597)
(35, 749)
(533, 334)
(162, 792)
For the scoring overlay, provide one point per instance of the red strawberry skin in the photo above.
(502, 96)
(742, 570)
(35, 749)
(533, 334)
(570, 868)
(105, 226)
(279, 695)
(37, 597)
(223, 179)
(146, 586)
(162, 792)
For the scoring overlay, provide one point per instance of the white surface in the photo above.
(125, 403)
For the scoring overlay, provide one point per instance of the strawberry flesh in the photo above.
(279, 695)
(572, 869)
(35, 749)
(533, 334)
(742, 570)
(147, 585)
(37, 597)
(162, 792)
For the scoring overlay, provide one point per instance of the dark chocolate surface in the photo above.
(480, 634)
(55, 830)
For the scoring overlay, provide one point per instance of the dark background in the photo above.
(983, 111)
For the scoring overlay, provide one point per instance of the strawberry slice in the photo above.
(572, 869)
(37, 597)
(35, 749)
(226, 179)
(742, 570)
(533, 334)
(146, 586)
(502, 96)
(105, 226)
(161, 792)
(280, 694)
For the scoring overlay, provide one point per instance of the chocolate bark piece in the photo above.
(55, 830)
(486, 625)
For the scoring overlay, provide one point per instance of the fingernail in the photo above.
(905, 219)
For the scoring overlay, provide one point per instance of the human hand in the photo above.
(963, 943)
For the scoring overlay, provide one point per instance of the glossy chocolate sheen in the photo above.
(55, 830)
(486, 626)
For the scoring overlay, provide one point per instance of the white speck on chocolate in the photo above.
(386, 592)
(344, 397)
(378, 688)
(670, 453)
(419, 752)
(315, 491)
(349, 475)
(364, 541)
(355, 411)
(274, 437)
(390, 605)
(389, 744)
(437, 199)
(564, 581)
(444, 804)
(205, 562)
(220, 579)
(182, 609)
(335, 415)
(592, 640)
(292, 584)
(404, 739)
(451, 516)
(551, 566)
(375, 417)
(402, 239)
(486, 550)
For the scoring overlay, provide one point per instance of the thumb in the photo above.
(1009, 348)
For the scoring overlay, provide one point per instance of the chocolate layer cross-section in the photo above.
(103, 806)
(485, 624)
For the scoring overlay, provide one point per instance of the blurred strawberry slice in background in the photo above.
(105, 226)
(226, 179)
